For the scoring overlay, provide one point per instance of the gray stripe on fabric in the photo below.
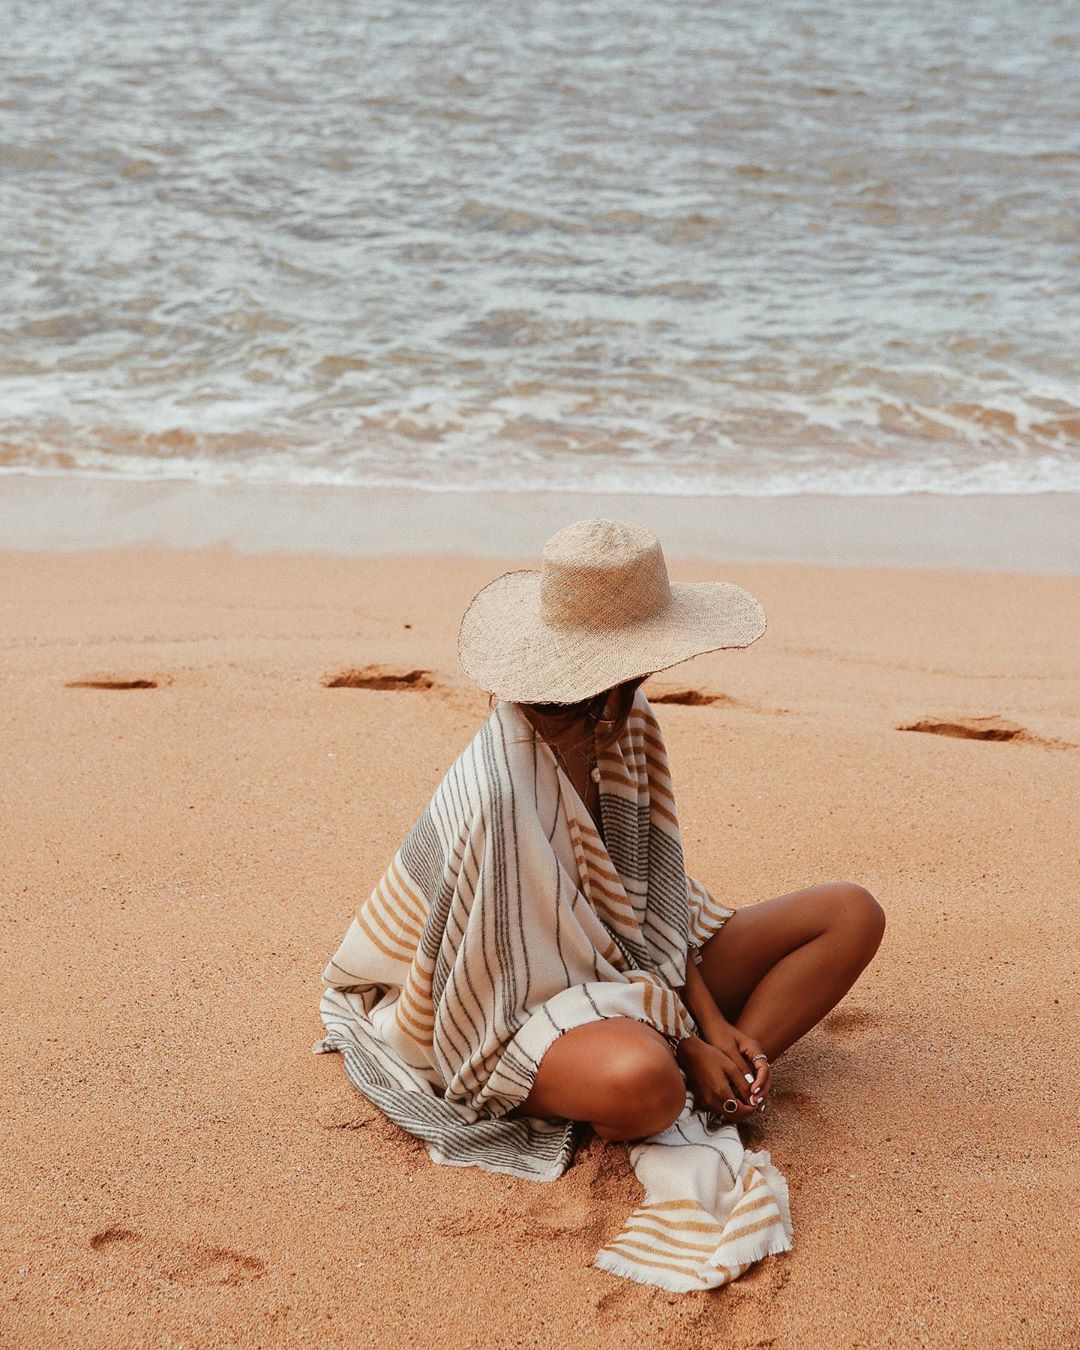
(493, 833)
(516, 854)
(517, 1146)
(558, 919)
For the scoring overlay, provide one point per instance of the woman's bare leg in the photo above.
(776, 968)
(619, 1075)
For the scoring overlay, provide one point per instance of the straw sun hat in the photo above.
(599, 611)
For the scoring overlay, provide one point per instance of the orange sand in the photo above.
(179, 861)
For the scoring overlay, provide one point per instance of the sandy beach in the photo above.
(180, 857)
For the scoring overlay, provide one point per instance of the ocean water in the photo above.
(673, 246)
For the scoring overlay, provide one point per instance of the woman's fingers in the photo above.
(740, 1088)
(759, 1066)
(724, 1090)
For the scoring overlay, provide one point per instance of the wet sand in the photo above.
(1031, 532)
(180, 857)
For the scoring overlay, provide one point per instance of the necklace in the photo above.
(594, 768)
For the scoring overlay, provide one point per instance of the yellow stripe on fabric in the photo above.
(689, 1225)
(392, 933)
(402, 901)
(412, 904)
(612, 954)
(416, 1008)
(663, 812)
(708, 903)
(421, 1035)
(602, 904)
(649, 733)
(394, 925)
(615, 899)
(405, 881)
(591, 840)
(753, 1228)
(619, 1248)
(678, 1204)
(665, 1239)
(420, 977)
(748, 1207)
(617, 903)
(659, 779)
(392, 906)
(649, 726)
(601, 869)
(604, 876)
(755, 1191)
(713, 906)
(373, 938)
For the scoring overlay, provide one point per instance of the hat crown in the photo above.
(603, 574)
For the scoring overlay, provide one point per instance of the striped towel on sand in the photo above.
(504, 920)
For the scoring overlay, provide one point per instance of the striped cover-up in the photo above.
(504, 920)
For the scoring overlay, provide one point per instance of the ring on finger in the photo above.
(730, 1106)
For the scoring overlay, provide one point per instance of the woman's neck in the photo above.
(575, 736)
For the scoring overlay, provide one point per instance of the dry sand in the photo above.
(178, 862)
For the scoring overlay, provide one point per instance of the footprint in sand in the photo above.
(108, 1236)
(688, 697)
(611, 1303)
(989, 728)
(186, 1263)
(213, 1266)
(380, 677)
(114, 684)
(848, 1021)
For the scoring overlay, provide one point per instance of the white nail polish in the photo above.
(749, 1077)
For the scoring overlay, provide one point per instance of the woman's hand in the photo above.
(717, 1074)
(732, 1042)
(740, 1056)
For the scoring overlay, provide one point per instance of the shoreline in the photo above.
(1025, 533)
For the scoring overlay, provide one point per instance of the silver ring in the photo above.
(755, 1059)
(730, 1106)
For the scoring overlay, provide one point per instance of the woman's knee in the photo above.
(642, 1089)
(855, 912)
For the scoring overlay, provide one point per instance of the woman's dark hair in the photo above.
(589, 711)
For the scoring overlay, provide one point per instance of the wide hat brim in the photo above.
(505, 645)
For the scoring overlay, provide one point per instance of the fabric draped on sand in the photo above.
(504, 920)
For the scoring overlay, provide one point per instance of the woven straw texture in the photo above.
(600, 610)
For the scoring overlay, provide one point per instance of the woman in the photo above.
(769, 973)
(535, 955)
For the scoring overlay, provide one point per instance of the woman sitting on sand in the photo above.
(536, 955)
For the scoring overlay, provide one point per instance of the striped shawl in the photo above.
(504, 920)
